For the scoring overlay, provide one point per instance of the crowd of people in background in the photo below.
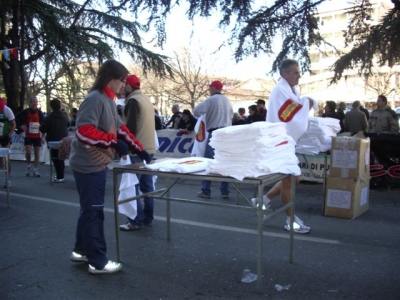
(381, 120)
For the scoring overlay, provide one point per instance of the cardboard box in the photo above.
(346, 198)
(350, 157)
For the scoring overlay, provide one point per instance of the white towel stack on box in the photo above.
(260, 148)
(318, 137)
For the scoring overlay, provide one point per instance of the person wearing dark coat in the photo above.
(187, 122)
(157, 120)
(237, 120)
(55, 126)
(365, 111)
(330, 108)
(254, 115)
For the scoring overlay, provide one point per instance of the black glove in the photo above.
(121, 147)
(143, 155)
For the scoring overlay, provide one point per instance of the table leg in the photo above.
(116, 188)
(167, 182)
(292, 200)
(7, 167)
(260, 215)
(51, 167)
(324, 183)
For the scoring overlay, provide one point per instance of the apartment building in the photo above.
(334, 18)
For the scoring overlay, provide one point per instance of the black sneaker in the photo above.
(201, 195)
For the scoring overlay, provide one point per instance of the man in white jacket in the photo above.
(285, 105)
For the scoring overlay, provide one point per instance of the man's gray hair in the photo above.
(175, 106)
(356, 104)
(286, 64)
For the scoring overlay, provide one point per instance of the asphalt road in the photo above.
(209, 249)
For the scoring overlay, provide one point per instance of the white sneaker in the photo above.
(266, 202)
(55, 180)
(298, 226)
(109, 268)
(76, 257)
(35, 172)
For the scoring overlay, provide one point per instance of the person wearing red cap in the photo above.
(219, 114)
(7, 128)
(139, 118)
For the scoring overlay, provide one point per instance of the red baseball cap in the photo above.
(133, 80)
(217, 84)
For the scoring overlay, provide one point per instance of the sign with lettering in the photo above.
(174, 144)
(313, 167)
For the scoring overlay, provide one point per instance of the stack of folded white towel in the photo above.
(318, 137)
(260, 148)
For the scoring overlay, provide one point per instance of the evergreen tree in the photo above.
(89, 31)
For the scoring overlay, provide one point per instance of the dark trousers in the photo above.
(59, 165)
(90, 239)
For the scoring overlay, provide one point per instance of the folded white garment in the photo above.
(285, 165)
(181, 165)
(318, 136)
(255, 129)
(254, 144)
(260, 148)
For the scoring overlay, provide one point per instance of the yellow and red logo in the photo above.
(201, 133)
(288, 110)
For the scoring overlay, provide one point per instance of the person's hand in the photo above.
(121, 147)
(23, 127)
(144, 155)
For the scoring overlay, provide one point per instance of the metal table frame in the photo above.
(173, 177)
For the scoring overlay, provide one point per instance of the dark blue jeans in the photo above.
(145, 214)
(206, 184)
(90, 239)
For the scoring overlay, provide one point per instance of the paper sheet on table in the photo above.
(127, 190)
